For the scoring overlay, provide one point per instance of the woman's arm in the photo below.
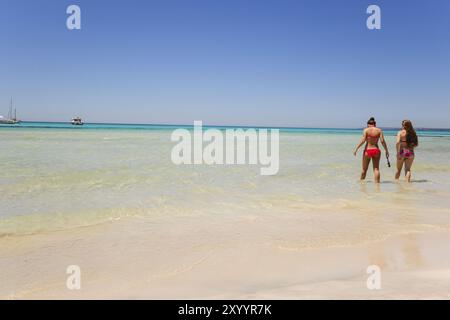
(384, 144)
(398, 144)
(361, 142)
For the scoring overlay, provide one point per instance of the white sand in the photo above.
(191, 258)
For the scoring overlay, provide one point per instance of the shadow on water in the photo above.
(402, 186)
(395, 182)
(377, 184)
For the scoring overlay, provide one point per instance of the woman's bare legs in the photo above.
(408, 165)
(400, 162)
(376, 169)
(365, 166)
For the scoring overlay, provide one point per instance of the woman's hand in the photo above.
(354, 152)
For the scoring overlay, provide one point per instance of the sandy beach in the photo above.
(243, 258)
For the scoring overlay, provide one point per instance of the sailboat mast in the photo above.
(10, 109)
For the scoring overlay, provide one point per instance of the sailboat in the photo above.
(11, 119)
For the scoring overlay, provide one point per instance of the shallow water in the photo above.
(62, 178)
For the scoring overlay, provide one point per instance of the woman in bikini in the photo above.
(371, 136)
(406, 143)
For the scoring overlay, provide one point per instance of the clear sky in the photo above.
(307, 63)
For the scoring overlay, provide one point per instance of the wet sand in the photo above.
(248, 258)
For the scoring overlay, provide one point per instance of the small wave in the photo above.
(52, 222)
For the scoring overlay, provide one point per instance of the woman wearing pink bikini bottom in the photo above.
(407, 141)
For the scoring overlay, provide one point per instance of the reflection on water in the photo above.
(410, 252)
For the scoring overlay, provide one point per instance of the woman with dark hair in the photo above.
(372, 152)
(407, 141)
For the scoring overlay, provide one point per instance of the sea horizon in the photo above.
(131, 125)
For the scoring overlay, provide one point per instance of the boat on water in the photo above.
(77, 121)
(12, 118)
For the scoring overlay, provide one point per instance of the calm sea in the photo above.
(55, 176)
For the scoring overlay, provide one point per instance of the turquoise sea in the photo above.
(55, 176)
(119, 126)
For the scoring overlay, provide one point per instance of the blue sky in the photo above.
(239, 62)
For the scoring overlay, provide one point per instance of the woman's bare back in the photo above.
(403, 141)
(373, 135)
